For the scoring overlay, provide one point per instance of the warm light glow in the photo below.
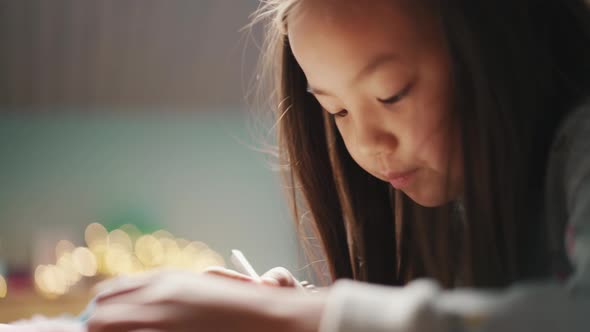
(171, 252)
(3, 287)
(206, 259)
(162, 234)
(50, 281)
(194, 248)
(95, 234)
(149, 251)
(118, 260)
(84, 261)
(120, 252)
(120, 238)
(55, 280)
(66, 264)
(39, 272)
(131, 230)
(136, 266)
(63, 247)
(99, 252)
(182, 243)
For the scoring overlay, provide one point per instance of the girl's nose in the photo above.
(371, 136)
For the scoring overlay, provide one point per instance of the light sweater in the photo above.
(556, 305)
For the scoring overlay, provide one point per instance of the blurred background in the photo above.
(126, 144)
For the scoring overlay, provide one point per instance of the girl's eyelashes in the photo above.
(396, 98)
(340, 114)
(388, 101)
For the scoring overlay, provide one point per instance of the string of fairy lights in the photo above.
(3, 287)
(122, 251)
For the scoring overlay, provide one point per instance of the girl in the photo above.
(442, 150)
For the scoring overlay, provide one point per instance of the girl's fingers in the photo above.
(270, 281)
(122, 285)
(279, 276)
(110, 294)
(108, 284)
(227, 273)
(129, 281)
(276, 277)
(120, 317)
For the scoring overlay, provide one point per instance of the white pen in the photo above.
(242, 265)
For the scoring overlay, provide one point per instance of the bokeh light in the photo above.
(123, 251)
(63, 247)
(118, 260)
(67, 265)
(95, 234)
(84, 262)
(162, 234)
(131, 230)
(51, 281)
(149, 251)
(3, 287)
(120, 238)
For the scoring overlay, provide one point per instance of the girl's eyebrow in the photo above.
(375, 63)
(372, 65)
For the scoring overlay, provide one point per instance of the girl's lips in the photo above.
(401, 180)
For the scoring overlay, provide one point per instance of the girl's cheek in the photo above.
(432, 140)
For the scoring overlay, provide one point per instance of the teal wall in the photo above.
(195, 174)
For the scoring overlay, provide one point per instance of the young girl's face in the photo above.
(382, 69)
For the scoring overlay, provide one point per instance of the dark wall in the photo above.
(125, 52)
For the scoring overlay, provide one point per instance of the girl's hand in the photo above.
(184, 301)
(278, 276)
(44, 324)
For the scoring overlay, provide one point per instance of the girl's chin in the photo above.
(428, 199)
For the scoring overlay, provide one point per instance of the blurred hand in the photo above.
(44, 324)
(184, 301)
(278, 276)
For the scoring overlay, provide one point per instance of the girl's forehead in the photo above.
(324, 34)
(376, 11)
(356, 23)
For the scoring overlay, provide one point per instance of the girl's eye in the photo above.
(340, 114)
(397, 97)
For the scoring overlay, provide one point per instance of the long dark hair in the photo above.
(518, 68)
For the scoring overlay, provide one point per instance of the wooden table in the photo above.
(25, 304)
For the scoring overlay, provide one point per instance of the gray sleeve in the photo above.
(577, 185)
(540, 307)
